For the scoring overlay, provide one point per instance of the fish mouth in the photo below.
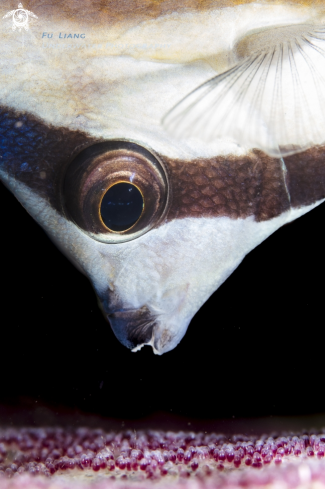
(159, 324)
(134, 328)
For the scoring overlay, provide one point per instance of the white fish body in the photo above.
(218, 173)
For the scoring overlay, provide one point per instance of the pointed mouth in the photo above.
(134, 328)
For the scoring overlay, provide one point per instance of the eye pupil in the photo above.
(121, 206)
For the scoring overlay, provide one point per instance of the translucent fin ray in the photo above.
(273, 100)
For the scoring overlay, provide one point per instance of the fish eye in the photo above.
(115, 191)
(121, 206)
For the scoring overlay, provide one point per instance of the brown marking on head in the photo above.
(231, 186)
(94, 12)
(306, 176)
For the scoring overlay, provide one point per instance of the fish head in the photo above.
(155, 217)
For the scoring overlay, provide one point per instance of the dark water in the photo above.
(254, 349)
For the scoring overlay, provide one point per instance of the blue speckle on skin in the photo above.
(3, 143)
(19, 142)
(25, 167)
(32, 152)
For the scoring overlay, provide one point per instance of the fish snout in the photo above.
(136, 327)
(132, 327)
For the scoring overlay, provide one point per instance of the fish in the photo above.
(158, 143)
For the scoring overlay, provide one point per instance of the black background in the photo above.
(254, 349)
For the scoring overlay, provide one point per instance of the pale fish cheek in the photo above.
(165, 277)
(199, 256)
(171, 272)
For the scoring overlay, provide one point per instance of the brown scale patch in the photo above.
(306, 176)
(227, 186)
(37, 154)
